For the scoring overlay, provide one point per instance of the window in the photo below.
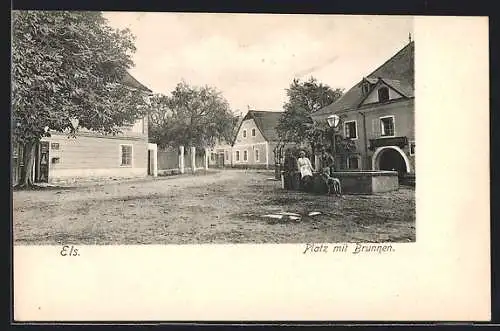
(55, 160)
(383, 94)
(412, 148)
(245, 156)
(387, 126)
(244, 133)
(253, 132)
(257, 155)
(353, 162)
(366, 88)
(227, 156)
(126, 155)
(350, 129)
(237, 155)
(54, 146)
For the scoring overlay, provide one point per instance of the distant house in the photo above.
(94, 155)
(256, 138)
(378, 115)
(220, 156)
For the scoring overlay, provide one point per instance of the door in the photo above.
(42, 164)
(220, 160)
(390, 159)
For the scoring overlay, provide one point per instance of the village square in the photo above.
(104, 154)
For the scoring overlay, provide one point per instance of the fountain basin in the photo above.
(352, 181)
(367, 182)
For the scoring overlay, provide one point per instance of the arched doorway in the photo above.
(391, 158)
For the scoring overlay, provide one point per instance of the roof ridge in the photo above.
(391, 58)
(265, 111)
(134, 80)
(354, 96)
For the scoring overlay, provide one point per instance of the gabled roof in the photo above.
(266, 122)
(371, 80)
(397, 72)
(130, 81)
(400, 86)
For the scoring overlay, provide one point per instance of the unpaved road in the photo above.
(223, 207)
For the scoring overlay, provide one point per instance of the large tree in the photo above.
(191, 116)
(68, 65)
(304, 98)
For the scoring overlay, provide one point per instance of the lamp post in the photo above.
(333, 122)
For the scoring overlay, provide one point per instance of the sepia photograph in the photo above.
(203, 128)
(175, 166)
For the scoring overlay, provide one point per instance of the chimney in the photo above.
(409, 37)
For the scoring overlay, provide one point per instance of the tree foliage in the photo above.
(304, 98)
(69, 65)
(191, 116)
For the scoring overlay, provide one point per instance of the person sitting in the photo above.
(327, 166)
(327, 162)
(306, 169)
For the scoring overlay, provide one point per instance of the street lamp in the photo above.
(333, 122)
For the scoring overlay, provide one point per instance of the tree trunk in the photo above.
(313, 161)
(29, 152)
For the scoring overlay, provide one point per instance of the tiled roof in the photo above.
(266, 122)
(400, 66)
(398, 72)
(400, 86)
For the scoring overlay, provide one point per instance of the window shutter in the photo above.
(375, 128)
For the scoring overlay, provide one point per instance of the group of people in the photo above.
(327, 163)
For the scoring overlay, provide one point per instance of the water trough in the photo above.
(355, 181)
(368, 182)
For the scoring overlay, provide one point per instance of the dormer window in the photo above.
(383, 94)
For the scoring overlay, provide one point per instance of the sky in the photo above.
(253, 58)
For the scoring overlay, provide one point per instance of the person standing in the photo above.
(304, 165)
(305, 168)
(290, 170)
(327, 162)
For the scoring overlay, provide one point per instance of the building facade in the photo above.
(94, 155)
(220, 156)
(255, 140)
(378, 115)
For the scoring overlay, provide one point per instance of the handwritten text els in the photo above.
(69, 251)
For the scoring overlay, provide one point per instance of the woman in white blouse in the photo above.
(304, 165)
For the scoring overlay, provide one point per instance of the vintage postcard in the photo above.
(207, 166)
